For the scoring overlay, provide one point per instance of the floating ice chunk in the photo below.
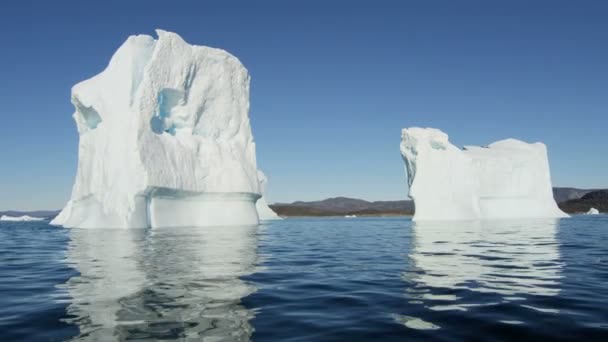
(264, 211)
(165, 139)
(20, 218)
(415, 322)
(506, 179)
(593, 211)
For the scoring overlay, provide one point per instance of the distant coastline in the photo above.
(570, 200)
(343, 206)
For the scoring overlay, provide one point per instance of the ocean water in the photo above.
(308, 280)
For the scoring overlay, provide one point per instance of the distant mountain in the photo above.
(594, 199)
(340, 206)
(35, 213)
(345, 205)
(336, 205)
(566, 194)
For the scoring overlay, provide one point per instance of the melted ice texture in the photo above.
(506, 179)
(165, 139)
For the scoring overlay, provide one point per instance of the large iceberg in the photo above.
(165, 139)
(506, 179)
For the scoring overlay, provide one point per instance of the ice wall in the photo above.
(506, 179)
(165, 139)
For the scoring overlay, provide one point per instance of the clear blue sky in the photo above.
(333, 83)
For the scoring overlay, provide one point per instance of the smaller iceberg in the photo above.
(23, 218)
(593, 211)
(505, 180)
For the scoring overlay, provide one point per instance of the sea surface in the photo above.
(330, 279)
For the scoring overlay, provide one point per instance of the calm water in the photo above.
(308, 279)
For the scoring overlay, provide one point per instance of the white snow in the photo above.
(593, 211)
(165, 139)
(506, 179)
(20, 218)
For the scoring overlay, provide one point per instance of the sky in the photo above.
(332, 84)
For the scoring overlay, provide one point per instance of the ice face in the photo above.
(165, 139)
(506, 179)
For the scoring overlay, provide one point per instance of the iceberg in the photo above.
(165, 140)
(506, 179)
(20, 218)
(593, 211)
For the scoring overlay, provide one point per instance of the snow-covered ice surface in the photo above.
(20, 218)
(165, 140)
(506, 179)
(593, 211)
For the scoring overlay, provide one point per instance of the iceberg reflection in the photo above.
(170, 284)
(506, 259)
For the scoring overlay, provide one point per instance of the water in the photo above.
(308, 279)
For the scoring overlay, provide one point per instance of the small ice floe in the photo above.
(593, 211)
(447, 308)
(415, 323)
(20, 218)
(350, 216)
(545, 310)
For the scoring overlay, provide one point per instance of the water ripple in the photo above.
(308, 279)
